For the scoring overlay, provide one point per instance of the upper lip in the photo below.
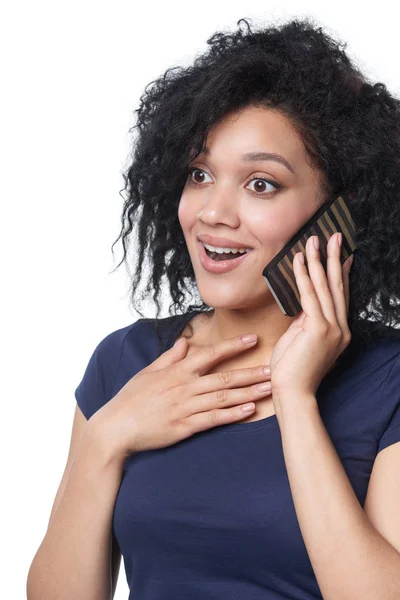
(221, 242)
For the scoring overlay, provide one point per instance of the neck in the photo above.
(267, 322)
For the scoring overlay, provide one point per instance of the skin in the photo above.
(221, 199)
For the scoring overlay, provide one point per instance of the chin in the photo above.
(215, 301)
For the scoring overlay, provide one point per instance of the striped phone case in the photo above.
(331, 217)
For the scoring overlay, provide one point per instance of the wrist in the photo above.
(291, 402)
(98, 436)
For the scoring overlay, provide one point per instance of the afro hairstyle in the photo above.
(350, 128)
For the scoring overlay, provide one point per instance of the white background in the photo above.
(71, 76)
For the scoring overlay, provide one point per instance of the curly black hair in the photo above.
(350, 129)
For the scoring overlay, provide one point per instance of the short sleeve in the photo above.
(391, 398)
(96, 385)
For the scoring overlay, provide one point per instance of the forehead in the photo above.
(257, 124)
(254, 135)
(255, 131)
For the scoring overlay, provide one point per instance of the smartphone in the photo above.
(331, 217)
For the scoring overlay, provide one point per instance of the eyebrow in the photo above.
(261, 156)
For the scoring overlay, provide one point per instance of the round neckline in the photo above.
(182, 321)
(237, 426)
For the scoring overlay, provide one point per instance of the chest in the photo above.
(220, 502)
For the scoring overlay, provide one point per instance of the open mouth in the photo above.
(217, 256)
(223, 262)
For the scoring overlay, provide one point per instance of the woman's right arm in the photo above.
(75, 559)
(167, 401)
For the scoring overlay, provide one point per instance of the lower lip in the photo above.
(221, 266)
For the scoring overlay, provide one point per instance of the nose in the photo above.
(218, 208)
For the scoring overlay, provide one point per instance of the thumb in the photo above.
(171, 356)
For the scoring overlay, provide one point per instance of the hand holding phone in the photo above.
(331, 217)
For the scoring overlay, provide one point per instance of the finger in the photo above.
(319, 279)
(336, 279)
(346, 268)
(236, 378)
(208, 356)
(308, 296)
(226, 398)
(346, 291)
(217, 397)
(216, 417)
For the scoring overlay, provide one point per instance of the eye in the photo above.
(274, 184)
(191, 171)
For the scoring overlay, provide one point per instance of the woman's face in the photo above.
(227, 196)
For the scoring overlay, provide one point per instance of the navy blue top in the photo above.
(212, 516)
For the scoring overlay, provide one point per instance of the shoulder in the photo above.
(146, 337)
(125, 351)
(375, 351)
(360, 400)
(379, 374)
(376, 362)
(99, 377)
(110, 347)
(119, 355)
(366, 377)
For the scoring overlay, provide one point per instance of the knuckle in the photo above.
(252, 392)
(322, 329)
(225, 376)
(221, 396)
(336, 334)
(213, 418)
(174, 405)
(185, 427)
(347, 338)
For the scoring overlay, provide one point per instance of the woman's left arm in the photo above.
(350, 558)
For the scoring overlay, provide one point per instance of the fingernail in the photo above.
(248, 339)
(264, 387)
(267, 371)
(316, 242)
(339, 239)
(178, 342)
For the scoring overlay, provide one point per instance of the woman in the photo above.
(294, 499)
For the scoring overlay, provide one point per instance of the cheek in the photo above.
(268, 227)
(187, 212)
(277, 226)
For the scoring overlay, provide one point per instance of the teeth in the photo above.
(225, 250)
